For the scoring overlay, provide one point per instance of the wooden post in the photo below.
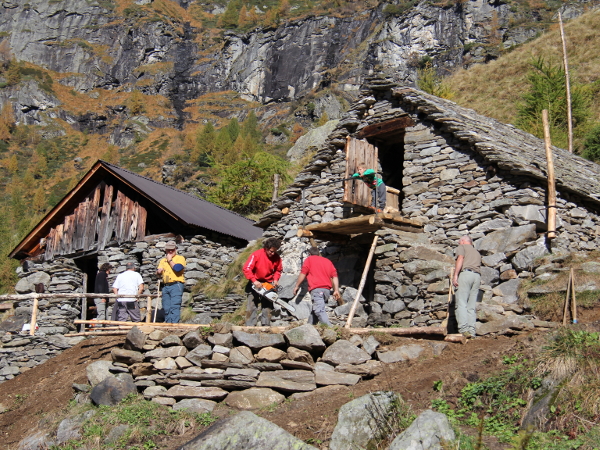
(567, 84)
(84, 303)
(567, 301)
(275, 187)
(34, 311)
(362, 283)
(574, 302)
(157, 299)
(446, 321)
(551, 219)
(148, 308)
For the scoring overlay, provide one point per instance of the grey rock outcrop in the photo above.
(361, 420)
(244, 431)
(428, 432)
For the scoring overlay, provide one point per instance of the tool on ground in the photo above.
(269, 292)
(570, 299)
(450, 295)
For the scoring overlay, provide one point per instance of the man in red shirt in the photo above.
(263, 265)
(321, 274)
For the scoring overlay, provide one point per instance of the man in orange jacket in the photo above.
(263, 265)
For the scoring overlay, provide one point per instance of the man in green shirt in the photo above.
(376, 184)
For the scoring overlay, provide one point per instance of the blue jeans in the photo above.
(171, 302)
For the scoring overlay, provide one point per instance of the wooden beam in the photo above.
(409, 331)
(387, 127)
(362, 282)
(322, 236)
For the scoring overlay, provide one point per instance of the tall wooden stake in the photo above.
(157, 299)
(84, 302)
(361, 286)
(34, 312)
(275, 187)
(574, 301)
(551, 219)
(567, 83)
(567, 301)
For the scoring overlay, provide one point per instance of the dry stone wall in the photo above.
(207, 260)
(197, 369)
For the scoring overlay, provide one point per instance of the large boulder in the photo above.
(288, 380)
(135, 339)
(98, 371)
(345, 352)
(305, 337)
(524, 260)
(70, 428)
(113, 389)
(428, 432)
(362, 420)
(258, 341)
(505, 241)
(254, 398)
(245, 431)
(27, 284)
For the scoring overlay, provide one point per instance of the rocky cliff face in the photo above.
(93, 46)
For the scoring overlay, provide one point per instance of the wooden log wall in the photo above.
(96, 221)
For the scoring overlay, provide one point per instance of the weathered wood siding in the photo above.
(105, 214)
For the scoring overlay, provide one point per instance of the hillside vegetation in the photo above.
(496, 89)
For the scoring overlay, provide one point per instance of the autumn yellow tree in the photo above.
(7, 121)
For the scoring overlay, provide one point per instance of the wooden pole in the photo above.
(409, 331)
(362, 283)
(275, 187)
(34, 311)
(98, 333)
(83, 302)
(551, 219)
(446, 321)
(148, 309)
(74, 295)
(574, 302)
(567, 300)
(157, 299)
(567, 83)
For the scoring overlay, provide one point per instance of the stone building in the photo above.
(452, 171)
(116, 216)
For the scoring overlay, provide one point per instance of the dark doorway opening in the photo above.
(391, 158)
(88, 264)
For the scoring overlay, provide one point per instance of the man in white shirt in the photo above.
(128, 283)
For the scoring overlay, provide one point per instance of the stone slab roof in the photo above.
(506, 146)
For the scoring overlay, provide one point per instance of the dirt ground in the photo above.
(41, 395)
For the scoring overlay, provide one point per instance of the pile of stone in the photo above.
(195, 370)
(19, 353)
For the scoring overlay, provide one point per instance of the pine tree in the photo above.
(7, 121)
(204, 147)
(13, 73)
(13, 164)
(233, 128)
(250, 126)
(230, 18)
(137, 103)
(243, 19)
(547, 90)
(223, 147)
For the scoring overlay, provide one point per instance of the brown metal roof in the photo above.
(188, 208)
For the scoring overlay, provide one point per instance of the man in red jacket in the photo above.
(322, 275)
(263, 265)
